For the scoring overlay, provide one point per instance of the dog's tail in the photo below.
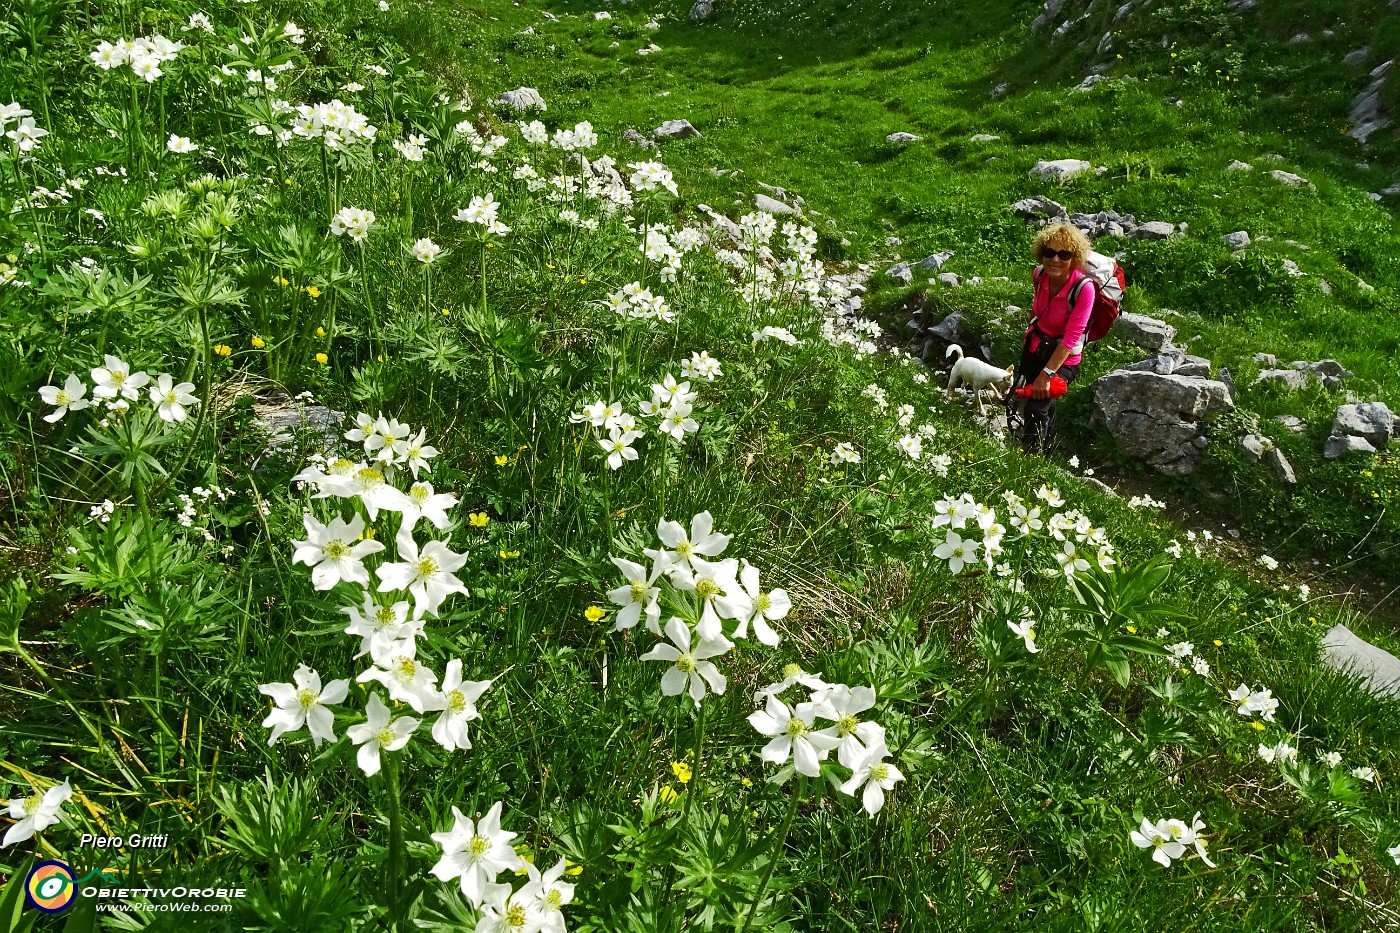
(954, 349)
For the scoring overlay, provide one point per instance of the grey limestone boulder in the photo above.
(523, 98)
(950, 329)
(900, 273)
(934, 262)
(902, 138)
(1237, 240)
(1254, 446)
(637, 139)
(701, 11)
(1280, 465)
(675, 129)
(1292, 423)
(772, 205)
(1060, 169)
(1157, 418)
(1293, 379)
(1143, 331)
(1238, 166)
(1344, 445)
(1153, 230)
(1376, 670)
(1370, 420)
(281, 418)
(984, 138)
(951, 279)
(1290, 179)
(1038, 208)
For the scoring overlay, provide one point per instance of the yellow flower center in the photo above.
(795, 727)
(405, 668)
(456, 702)
(684, 550)
(846, 725)
(419, 493)
(385, 616)
(31, 804)
(386, 736)
(118, 377)
(554, 900)
(336, 549)
(426, 567)
(685, 664)
(515, 916)
(707, 588)
(370, 476)
(639, 590)
(763, 603)
(478, 846)
(306, 698)
(791, 670)
(880, 772)
(342, 467)
(63, 397)
(169, 397)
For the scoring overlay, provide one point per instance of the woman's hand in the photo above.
(1041, 387)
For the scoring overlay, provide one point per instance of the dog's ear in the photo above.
(1011, 369)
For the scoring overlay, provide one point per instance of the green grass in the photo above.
(1024, 773)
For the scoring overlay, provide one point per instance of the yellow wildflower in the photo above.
(502, 459)
(1257, 726)
(593, 613)
(479, 519)
(257, 342)
(509, 555)
(681, 770)
(322, 359)
(279, 280)
(320, 332)
(1217, 643)
(572, 868)
(668, 794)
(222, 349)
(313, 291)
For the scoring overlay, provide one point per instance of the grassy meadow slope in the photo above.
(1054, 672)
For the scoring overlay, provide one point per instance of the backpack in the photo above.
(1110, 282)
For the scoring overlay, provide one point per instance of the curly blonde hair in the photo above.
(1062, 236)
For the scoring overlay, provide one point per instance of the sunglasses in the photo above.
(1065, 254)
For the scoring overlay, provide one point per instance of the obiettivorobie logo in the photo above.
(51, 887)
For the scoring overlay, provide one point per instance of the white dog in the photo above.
(977, 374)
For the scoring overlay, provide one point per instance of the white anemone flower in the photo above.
(1026, 630)
(1394, 852)
(303, 703)
(878, 776)
(71, 397)
(476, 852)
(546, 894)
(710, 581)
(335, 552)
(618, 446)
(407, 680)
(458, 704)
(171, 398)
(792, 736)
(685, 550)
(691, 666)
(750, 604)
(425, 250)
(427, 574)
(958, 551)
(380, 626)
(842, 705)
(792, 674)
(379, 733)
(1157, 836)
(422, 502)
(637, 596)
(180, 144)
(419, 452)
(116, 378)
(36, 812)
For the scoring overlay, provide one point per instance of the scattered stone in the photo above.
(1376, 670)
(1280, 465)
(1090, 80)
(1253, 447)
(1267, 359)
(935, 261)
(771, 205)
(1357, 58)
(1060, 169)
(1038, 208)
(1049, 12)
(950, 278)
(701, 11)
(950, 329)
(281, 417)
(1345, 445)
(984, 138)
(1371, 420)
(1195, 366)
(1163, 363)
(637, 139)
(1291, 180)
(522, 98)
(1292, 269)
(902, 138)
(1229, 381)
(1143, 331)
(1290, 422)
(1238, 166)
(1101, 486)
(1237, 240)
(1153, 230)
(675, 129)
(900, 273)
(1298, 38)
(1000, 89)
(1330, 368)
(1156, 418)
(1291, 379)
(1365, 114)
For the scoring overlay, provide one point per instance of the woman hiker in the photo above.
(1055, 338)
